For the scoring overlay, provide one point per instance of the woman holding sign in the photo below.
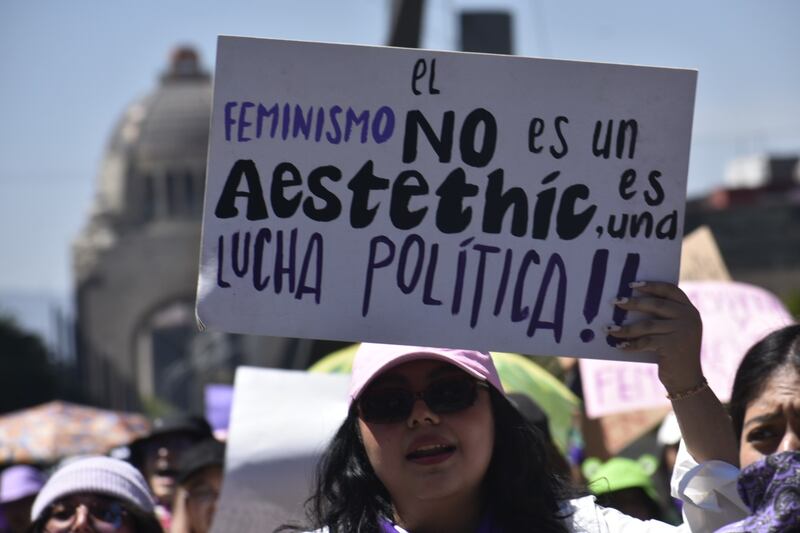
(431, 444)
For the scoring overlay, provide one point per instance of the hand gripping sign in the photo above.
(735, 316)
(438, 198)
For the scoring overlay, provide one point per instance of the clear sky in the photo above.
(68, 69)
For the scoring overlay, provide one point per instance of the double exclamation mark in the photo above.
(594, 291)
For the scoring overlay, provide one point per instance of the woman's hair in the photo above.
(521, 490)
(141, 521)
(777, 350)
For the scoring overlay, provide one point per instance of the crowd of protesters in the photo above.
(169, 483)
(432, 443)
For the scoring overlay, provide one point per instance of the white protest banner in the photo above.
(735, 316)
(438, 198)
(281, 421)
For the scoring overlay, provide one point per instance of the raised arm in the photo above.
(674, 331)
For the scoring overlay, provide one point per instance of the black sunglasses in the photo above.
(389, 404)
(108, 515)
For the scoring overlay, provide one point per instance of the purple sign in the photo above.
(219, 399)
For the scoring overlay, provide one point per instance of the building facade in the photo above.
(136, 260)
(755, 220)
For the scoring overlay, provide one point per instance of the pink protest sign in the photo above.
(735, 316)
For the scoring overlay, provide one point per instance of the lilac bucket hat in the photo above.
(371, 360)
(20, 481)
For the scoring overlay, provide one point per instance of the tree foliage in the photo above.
(26, 376)
(792, 301)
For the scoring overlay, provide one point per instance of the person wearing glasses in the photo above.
(95, 494)
(431, 443)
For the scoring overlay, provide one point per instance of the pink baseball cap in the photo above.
(371, 360)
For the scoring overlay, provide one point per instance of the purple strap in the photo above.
(484, 527)
(387, 527)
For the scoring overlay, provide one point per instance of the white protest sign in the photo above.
(735, 316)
(438, 198)
(281, 421)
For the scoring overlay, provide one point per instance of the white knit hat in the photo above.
(96, 475)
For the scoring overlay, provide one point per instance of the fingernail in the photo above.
(622, 300)
(613, 327)
(637, 284)
(623, 344)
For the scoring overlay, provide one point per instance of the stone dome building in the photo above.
(136, 261)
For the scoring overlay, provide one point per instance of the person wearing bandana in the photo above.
(765, 409)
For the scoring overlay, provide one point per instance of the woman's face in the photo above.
(78, 513)
(162, 455)
(428, 455)
(772, 420)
